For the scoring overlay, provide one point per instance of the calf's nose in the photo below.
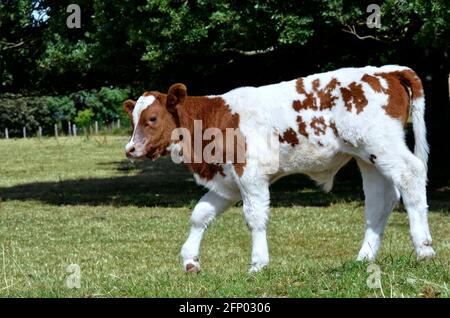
(129, 150)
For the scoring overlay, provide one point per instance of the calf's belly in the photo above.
(309, 158)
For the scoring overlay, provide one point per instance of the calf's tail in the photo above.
(413, 82)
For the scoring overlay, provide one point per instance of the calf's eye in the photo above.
(153, 119)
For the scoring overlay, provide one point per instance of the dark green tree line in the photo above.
(216, 45)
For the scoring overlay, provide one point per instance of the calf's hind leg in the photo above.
(380, 198)
(408, 174)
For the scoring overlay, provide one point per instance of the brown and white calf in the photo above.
(321, 122)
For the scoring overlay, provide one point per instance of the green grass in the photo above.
(78, 201)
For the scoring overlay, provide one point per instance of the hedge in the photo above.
(18, 111)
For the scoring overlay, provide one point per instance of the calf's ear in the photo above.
(128, 106)
(176, 96)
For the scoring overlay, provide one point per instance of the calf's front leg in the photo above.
(206, 210)
(256, 200)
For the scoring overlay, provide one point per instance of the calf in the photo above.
(319, 122)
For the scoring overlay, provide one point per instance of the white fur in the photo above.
(206, 210)
(421, 148)
(141, 104)
(394, 172)
(381, 196)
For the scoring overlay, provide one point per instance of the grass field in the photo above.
(78, 201)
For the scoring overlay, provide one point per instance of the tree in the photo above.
(20, 43)
(84, 119)
(17, 111)
(61, 107)
(214, 46)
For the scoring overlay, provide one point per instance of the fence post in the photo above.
(24, 132)
(70, 128)
(96, 127)
(74, 130)
(118, 123)
(56, 130)
(40, 132)
(6, 133)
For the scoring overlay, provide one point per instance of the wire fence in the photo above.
(70, 130)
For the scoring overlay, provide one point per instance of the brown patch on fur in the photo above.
(214, 113)
(410, 78)
(297, 105)
(319, 126)
(399, 85)
(299, 86)
(315, 84)
(308, 103)
(239, 168)
(333, 127)
(354, 95)
(398, 98)
(289, 136)
(373, 82)
(128, 107)
(347, 97)
(302, 126)
(320, 144)
(327, 100)
(372, 158)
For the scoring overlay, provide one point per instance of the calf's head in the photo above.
(153, 117)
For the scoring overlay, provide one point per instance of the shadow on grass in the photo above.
(163, 183)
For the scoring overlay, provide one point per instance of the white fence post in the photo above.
(56, 130)
(40, 132)
(74, 130)
(96, 127)
(24, 132)
(6, 133)
(70, 128)
(118, 123)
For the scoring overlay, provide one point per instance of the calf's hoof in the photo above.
(257, 268)
(425, 252)
(365, 257)
(192, 265)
